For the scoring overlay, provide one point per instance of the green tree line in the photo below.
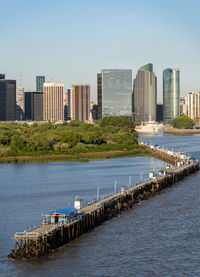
(109, 133)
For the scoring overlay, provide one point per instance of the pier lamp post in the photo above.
(115, 186)
(98, 188)
(130, 180)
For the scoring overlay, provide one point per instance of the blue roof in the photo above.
(193, 159)
(64, 211)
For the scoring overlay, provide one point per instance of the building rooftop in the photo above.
(64, 211)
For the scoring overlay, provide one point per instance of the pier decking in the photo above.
(40, 241)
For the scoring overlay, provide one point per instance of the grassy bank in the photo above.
(81, 157)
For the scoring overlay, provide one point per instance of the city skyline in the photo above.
(114, 46)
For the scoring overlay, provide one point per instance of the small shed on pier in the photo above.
(62, 215)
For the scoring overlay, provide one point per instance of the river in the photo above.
(161, 237)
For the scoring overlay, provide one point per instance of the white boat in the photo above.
(149, 127)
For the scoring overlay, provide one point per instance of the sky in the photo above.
(70, 41)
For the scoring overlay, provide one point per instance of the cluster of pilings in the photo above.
(38, 243)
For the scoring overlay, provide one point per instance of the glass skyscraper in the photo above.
(116, 92)
(171, 94)
(40, 80)
(145, 94)
(7, 99)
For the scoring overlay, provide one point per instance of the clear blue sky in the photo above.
(70, 41)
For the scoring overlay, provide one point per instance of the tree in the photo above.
(118, 121)
(183, 122)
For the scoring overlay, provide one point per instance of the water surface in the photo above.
(158, 238)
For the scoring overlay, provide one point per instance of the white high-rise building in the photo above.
(193, 103)
(183, 105)
(53, 102)
(20, 103)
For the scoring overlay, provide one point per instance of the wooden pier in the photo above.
(46, 238)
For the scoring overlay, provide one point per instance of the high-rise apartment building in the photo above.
(34, 105)
(183, 105)
(116, 92)
(99, 96)
(20, 103)
(7, 99)
(193, 105)
(145, 94)
(40, 80)
(79, 97)
(53, 103)
(65, 100)
(171, 94)
(70, 103)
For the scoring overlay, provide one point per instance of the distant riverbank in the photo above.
(181, 131)
(81, 157)
(85, 157)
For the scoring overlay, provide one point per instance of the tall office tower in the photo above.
(80, 104)
(193, 103)
(20, 103)
(34, 105)
(65, 100)
(99, 95)
(7, 99)
(93, 111)
(2, 76)
(171, 94)
(183, 105)
(53, 103)
(159, 112)
(116, 92)
(40, 80)
(70, 103)
(145, 94)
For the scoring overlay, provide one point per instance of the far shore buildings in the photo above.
(183, 106)
(53, 102)
(193, 105)
(33, 105)
(79, 102)
(20, 103)
(114, 92)
(145, 94)
(40, 80)
(171, 94)
(7, 99)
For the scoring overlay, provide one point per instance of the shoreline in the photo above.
(81, 157)
(85, 157)
(181, 131)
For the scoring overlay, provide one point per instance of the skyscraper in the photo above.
(70, 103)
(7, 99)
(40, 80)
(99, 96)
(33, 105)
(116, 92)
(159, 112)
(53, 103)
(183, 105)
(80, 102)
(145, 94)
(20, 103)
(193, 103)
(171, 94)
